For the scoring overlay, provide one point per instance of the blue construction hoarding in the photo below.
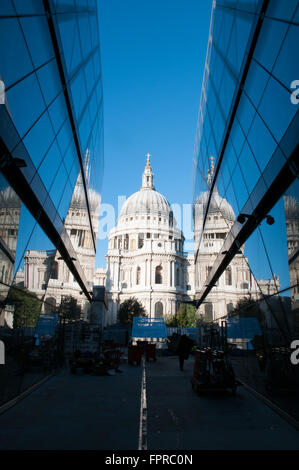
(47, 324)
(144, 327)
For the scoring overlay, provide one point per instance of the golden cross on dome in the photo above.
(212, 165)
(148, 156)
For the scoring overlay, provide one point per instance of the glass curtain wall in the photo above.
(246, 193)
(51, 162)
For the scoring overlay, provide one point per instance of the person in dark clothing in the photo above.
(184, 349)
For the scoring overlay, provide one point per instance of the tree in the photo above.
(246, 307)
(27, 306)
(185, 316)
(130, 308)
(69, 308)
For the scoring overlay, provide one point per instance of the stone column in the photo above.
(172, 275)
(143, 274)
(149, 273)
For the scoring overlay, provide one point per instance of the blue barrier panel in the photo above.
(243, 328)
(144, 327)
(47, 323)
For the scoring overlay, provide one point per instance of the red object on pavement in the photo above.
(150, 352)
(134, 354)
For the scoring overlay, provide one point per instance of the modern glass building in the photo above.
(51, 162)
(249, 123)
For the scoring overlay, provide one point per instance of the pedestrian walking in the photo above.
(184, 349)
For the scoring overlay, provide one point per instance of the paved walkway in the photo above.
(86, 412)
(179, 419)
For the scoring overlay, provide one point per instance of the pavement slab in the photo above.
(103, 413)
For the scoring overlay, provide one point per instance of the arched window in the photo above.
(158, 275)
(208, 270)
(209, 312)
(138, 275)
(158, 309)
(140, 240)
(50, 305)
(126, 242)
(54, 270)
(177, 273)
(228, 276)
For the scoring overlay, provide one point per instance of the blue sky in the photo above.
(153, 56)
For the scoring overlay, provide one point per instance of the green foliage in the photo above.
(130, 308)
(69, 308)
(185, 316)
(246, 307)
(27, 307)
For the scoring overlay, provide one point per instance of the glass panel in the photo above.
(277, 113)
(287, 70)
(49, 166)
(9, 73)
(237, 138)
(38, 39)
(65, 201)
(256, 83)
(269, 42)
(249, 168)
(29, 7)
(49, 80)
(25, 104)
(261, 142)
(39, 139)
(58, 186)
(68, 31)
(58, 113)
(6, 8)
(239, 186)
(285, 10)
(36, 286)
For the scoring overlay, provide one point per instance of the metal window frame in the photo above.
(252, 41)
(58, 51)
(240, 233)
(20, 179)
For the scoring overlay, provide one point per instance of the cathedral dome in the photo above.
(79, 201)
(11, 198)
(291, 207)
(146, 201)
(217, 204)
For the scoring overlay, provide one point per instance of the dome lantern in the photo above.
(148, 176)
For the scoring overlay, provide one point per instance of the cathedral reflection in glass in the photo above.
(248, 122)
(51, 128)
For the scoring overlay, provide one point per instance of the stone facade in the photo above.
(146, 260)
(46, 274)
(146, 257)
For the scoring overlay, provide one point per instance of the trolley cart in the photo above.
(112, 359)
(134, 354)
(213, 373)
